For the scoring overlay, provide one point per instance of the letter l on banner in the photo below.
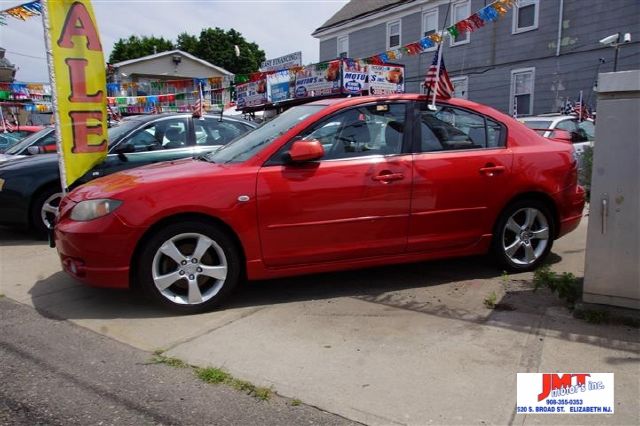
(78, 82)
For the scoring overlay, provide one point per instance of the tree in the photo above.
(187, 43)
(214, 45)
(137, 47)
(218, 47)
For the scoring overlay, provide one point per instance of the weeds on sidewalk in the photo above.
(218, 376)
(490, 300)
(213, 375)
(565, 285)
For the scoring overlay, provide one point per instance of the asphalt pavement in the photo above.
(53, 372)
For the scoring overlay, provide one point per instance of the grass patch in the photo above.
(565, 285)
(295, 402)
(159, 358)
(490, 300)
(218, 376)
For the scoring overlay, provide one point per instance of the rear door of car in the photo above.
(353, 203)
(164, 139)
(460, 180)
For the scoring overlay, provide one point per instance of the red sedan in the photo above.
(331, 185)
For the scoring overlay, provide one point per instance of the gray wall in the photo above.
(493, 51)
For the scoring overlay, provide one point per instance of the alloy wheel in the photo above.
(189, 269)
(525, 236)
(49, 209)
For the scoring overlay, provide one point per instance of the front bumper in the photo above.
(98, 252)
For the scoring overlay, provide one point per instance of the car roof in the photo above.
(548, 117)
(143, 118)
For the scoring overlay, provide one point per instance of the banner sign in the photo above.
(318, 80)
(565, 393)
(354, 77)
(279, 86)
(386, 79)
(251, 94)
(287, 61)
(77, 73)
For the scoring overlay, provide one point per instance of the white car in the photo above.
(582, 132)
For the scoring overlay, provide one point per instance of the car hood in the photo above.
(29, 161)
(8, 157)
(161, 175)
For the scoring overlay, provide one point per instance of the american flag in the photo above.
(198, 109)
(444, 88)
(8, 127)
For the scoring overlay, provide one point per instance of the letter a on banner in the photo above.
(78, 82)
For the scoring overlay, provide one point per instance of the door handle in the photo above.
(388, 177)
(491, 169)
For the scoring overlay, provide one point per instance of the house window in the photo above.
(393, 34)
(460, 12)
(525, 16)
(460, 87)
(522, 82)
(429, 22)
(343, 46)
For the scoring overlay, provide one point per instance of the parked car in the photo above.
(41, 142)
(30, 188)
(583, 133)
(398, 183)
(9, 139)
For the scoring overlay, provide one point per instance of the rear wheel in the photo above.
(44, 210)
(524, 236)
(189, 266)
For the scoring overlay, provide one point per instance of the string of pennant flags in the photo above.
(490, 13)
(22, 12)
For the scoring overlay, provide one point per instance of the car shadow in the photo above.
(519, 308)
(18, 237)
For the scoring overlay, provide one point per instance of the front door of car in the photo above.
(352, 203)
(161, 140)
(461, 176)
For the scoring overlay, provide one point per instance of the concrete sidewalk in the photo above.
(409, 344)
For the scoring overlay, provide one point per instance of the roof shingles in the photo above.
(357, 9)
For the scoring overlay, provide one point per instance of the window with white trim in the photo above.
(525, 16)
(393, 34)
(522, 83)
(460, 87)
(459, 12)
(429, 23)
(343, 46)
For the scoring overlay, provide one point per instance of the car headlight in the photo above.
(93, 209)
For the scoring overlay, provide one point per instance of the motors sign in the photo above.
(283, 62)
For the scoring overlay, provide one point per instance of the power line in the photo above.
(25, 55)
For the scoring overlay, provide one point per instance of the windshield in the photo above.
(28, 141)
(539, 125)
(251, 143)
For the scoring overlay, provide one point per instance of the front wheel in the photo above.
(44, 210)
(523, 236)
(190, 266)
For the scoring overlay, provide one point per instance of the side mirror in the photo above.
(33, 150)
(305, 150)
(125, 148)
(561, 135)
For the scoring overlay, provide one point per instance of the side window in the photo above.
(365, 130)
(568, 125)
(589, 129)
(49, 139)
(449, 128)
(164, 134)
(210, 131)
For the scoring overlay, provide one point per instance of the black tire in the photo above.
(505, 239)
(223, 252)
(39, 228)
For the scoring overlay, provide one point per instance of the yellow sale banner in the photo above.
(78, 81)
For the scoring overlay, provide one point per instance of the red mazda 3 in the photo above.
(331, 185)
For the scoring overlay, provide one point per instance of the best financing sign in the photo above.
(77, 72)
(287, 61)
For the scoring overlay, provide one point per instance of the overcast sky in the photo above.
(278, 27)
